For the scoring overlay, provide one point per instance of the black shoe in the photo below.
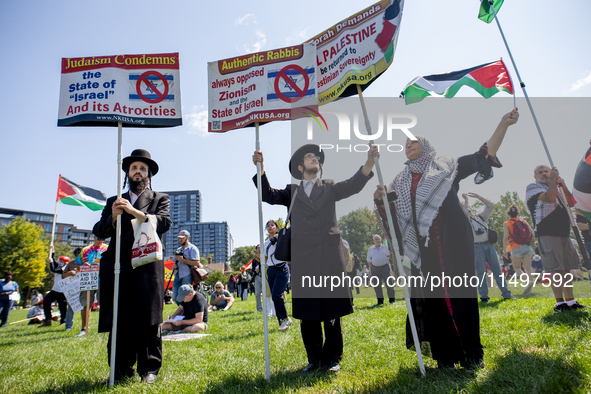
(562, 308)
(311, 368)
(446, 366)
(485, 300)
(149, 378)
(333, 367)
(392, 300)
(577, 306)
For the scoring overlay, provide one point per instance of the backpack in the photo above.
(521, 234)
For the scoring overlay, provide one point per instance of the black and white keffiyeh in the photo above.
(542, 208)
(436, 182)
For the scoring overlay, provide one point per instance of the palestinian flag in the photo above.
(388, 38)
(71, 193)
(485, 13)
(582, 186)
(486, 79)
(248, 266)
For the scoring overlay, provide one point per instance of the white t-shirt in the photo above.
(271, 260)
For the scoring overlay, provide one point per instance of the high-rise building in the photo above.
(212, 238)
(64, 232)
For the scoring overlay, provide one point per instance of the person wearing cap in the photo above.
(141, 299)
(193, 309)
(316, 249)
(55, 294)
(186, 255)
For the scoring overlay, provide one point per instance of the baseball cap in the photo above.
(183, 233)
(184, 291)
(65, 259)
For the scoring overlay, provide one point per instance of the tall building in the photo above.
(64, 232)
(212, 238)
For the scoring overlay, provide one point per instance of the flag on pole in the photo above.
(485, 13)
(582, 186)
(487, 79)
(71, 193)
(248, 266)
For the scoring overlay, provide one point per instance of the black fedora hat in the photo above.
(298, 157)
(140, 155)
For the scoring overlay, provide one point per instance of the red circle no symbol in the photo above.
(144, 78)
(281, 75)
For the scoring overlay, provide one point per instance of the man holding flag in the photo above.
(140, 295)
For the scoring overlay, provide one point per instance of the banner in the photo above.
(279, 84)
(168, 274)
(89, 277)
(356, 50)
(137, 90)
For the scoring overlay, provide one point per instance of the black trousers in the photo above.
(322, 350)
(143, 344)
(61, 301)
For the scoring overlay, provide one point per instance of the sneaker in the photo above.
(81, 333)
(285, 323)
(576, 306)
(561, 308)
(528, 288)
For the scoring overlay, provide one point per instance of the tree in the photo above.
(22, 251)
(216, 276)
(499, 215)
(242, 256)
(358, 228)
(203, 260)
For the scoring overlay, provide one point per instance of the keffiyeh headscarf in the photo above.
(436, 182)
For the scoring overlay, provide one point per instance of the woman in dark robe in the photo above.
(438, 241)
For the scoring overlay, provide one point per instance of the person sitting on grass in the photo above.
(221, 300)
(193, 309)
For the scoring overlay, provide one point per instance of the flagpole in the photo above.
(54, 216)
(531, 109)
(262, 258)
(394, 242)
(117, 257)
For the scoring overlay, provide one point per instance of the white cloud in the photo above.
(257, 46)
(244, 20)
(580, 83)
(196, 120)
(297, 37)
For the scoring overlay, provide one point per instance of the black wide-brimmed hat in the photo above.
(140, 155)
(298, 157)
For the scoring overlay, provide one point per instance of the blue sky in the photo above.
(549, 44)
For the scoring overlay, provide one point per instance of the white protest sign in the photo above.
(70, 286)
(89, 277)
(137, 90)
(279, 84)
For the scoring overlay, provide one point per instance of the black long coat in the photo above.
(141, 290)
(316, 245)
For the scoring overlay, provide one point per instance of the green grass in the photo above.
(528, 349)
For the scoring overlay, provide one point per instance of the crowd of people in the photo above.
(435, 232)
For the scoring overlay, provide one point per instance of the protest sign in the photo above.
(136, 90)
(89, 277)
(279, 84)
(356, 50)
(70, 286)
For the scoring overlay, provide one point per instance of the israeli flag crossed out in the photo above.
(294, 87)
(147, 90)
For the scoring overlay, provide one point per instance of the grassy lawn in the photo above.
(528, 349)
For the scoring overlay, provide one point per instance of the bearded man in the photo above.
(140, 290)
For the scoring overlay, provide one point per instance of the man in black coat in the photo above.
(316, 250)
(140, 290)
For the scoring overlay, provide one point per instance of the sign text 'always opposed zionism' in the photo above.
(279, 84)
(137, 90)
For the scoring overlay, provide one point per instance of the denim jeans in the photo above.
(69, 318)
(277, 278)
(177, 283)
(5, 307)
(485, 253)
(258, 288)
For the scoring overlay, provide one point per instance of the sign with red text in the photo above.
(356, 50)
(89, 277)
(136, 90)
(279, 84)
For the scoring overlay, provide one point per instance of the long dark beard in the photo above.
(137, 186)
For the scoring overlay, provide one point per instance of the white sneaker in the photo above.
(285, 323)
(81, 333)
(528, 288)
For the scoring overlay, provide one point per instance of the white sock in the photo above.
(560, 303)
(571, 302)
